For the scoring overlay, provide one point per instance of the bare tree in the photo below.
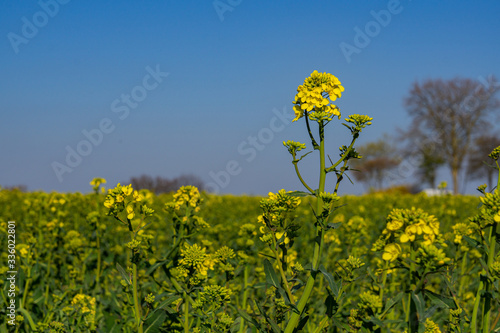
(378, 159)
(165, 185)
(479, 166)
(453, 112)
(423, 154)
(20, 188)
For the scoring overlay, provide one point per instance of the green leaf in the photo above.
(333, 225)
(474, 243)
(163, 304)
(339, 324)
(419, 303)
(308, 267)
(124, 274)
(390, 304)
(429, 313)
(303, 156)
(376, 321)
(329, 277)
(331, 306)
(301, 324)
(271, 276)
(111, 325)
(266, 255)
(30, 320)
(440, 300)
(154, 323)
(271, 322)
(116, 328)
(247, 317)
(154, 267)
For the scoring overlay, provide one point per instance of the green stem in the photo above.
(98, 269)
(411, 315)
(314, 143)
(47, 278)
(473, 324)
(384, 280)
(283, 277)
(245, 296)
(498, 182)
(300, 177)
(186, 314)
(318, 244)
(321, 325)
(340, 176)
(136, 300)
(25, 291)
(343, 156)
(487, 300)
(463, 277)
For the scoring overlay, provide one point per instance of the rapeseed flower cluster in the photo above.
(189, 196)
(430, 256)
(359, 122)
(455, 319)
(125, 199)
(86, 306)
(410, 226)
(315, 95)
(195, 259)
(56, 327)
(74, 241)
(277, 208)
(347, 268)
(431, 327)
(465, 229)
(407, 224)
(495, 269)
(293, 147)
(490, 211)
(96, 183)
(495, 154)
(368, 306)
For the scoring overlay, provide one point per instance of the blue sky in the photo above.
(210, 84)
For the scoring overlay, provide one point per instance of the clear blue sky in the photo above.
(67, 67)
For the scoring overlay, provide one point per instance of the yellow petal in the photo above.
(404, 238)
(387, 256)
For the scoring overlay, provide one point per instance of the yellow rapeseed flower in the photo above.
(394, 225)
(109, 202)
(316, 93)
(391, 252)
(127, 190)
(130, 212)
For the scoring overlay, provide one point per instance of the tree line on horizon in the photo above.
(452, 125)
